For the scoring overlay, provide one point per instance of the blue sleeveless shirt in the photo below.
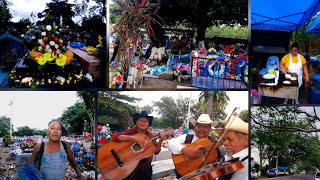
(53, 165)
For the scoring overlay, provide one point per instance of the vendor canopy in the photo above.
(314, 27)
(282, 15)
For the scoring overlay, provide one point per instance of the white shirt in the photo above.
(175, 145)
(243, 173)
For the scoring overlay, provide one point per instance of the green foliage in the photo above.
(161, 123)
(227, 32)
(214, 103)
(5, 15)
(6, 139)
(73, 118)
(244, 115)
(284, 131)
(147, 108)
(61, 8)
(4, 125)
(24, 131)
(114, 108)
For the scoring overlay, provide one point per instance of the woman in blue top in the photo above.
(55, 156)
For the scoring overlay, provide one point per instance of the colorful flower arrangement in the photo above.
(28, 144)
(48, 44)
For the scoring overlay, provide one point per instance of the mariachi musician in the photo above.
(236, 141)
(142, 123)
(202, 130)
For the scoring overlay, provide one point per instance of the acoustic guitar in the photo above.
(118, 160)
(185, 165)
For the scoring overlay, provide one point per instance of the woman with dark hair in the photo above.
(295, 63)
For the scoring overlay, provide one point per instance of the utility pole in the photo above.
(10, 104)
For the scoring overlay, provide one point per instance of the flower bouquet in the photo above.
(48, 44)
(28, 145)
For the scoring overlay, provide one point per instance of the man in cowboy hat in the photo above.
(202, 130)
(142, 123)
(236, 141)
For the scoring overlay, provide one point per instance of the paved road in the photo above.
(295, 177)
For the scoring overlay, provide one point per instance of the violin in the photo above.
(211, 172)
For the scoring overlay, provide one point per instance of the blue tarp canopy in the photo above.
(282, 15)
(314, 26)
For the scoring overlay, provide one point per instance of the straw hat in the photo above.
(203, 119)
(237, 125)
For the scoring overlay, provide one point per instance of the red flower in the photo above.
(45, 38)
(56, 39)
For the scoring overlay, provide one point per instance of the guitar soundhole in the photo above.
(137, 147)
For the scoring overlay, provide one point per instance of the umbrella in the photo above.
(282, 15)
(314, 26)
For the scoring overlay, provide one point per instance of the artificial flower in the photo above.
(56, 46)
(88, 76)
(33, 37)
(41, 61)
(47, 46)
(43, 34)
(45, 38)
(48, 56)
(49, 50)
(61, 41)
(52, 43)
(35, 54)
(22, 35)
(61, 60)
(48, 27)
(69, 55)
(40, 41)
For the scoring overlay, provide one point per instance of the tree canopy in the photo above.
(4, 126)
(289, 132)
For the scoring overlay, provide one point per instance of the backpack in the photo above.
(39, 154)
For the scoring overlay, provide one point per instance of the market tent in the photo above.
(314, 26)
(283, 15)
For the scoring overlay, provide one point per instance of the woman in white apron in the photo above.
(293, 62)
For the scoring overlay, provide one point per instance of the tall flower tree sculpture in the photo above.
(134, 16)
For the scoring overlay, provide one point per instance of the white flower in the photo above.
(49, 81)
(88, 76)
(47, 46)
(63, 47)
(28, 26)
(22, 35)
(61, 41)
(61, 79)
(43, 34)
(40, 48)
(56, 46)
(52, 43)
(58, 51)
(40, 41)
(48, 27)
(33, 37)
(26, 80)
(67, 26)
(60, 30)
(49, 50)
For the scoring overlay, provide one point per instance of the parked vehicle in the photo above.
(271, 173)
(317, 176)
(254, 173)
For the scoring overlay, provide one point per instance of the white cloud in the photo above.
(23, 8)
(35, 108)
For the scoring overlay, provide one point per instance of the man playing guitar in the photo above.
(202, 130)
(142, 123)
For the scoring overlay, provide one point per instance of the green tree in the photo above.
(24, 131)
(147, 108)
(73, 118)
(5, 15)
(115, 108)
(244, 115)
(287, 132)
(58, 8)
(214, 104)
(4, 126)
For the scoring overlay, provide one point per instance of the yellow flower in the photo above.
(42, 60)
(61, 60)
(212, 49)
(210, 57)
(69, 55)
(90, 49)
(100, 39)
(48, 56)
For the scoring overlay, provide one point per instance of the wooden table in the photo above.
(290, 91)
(89, 63)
